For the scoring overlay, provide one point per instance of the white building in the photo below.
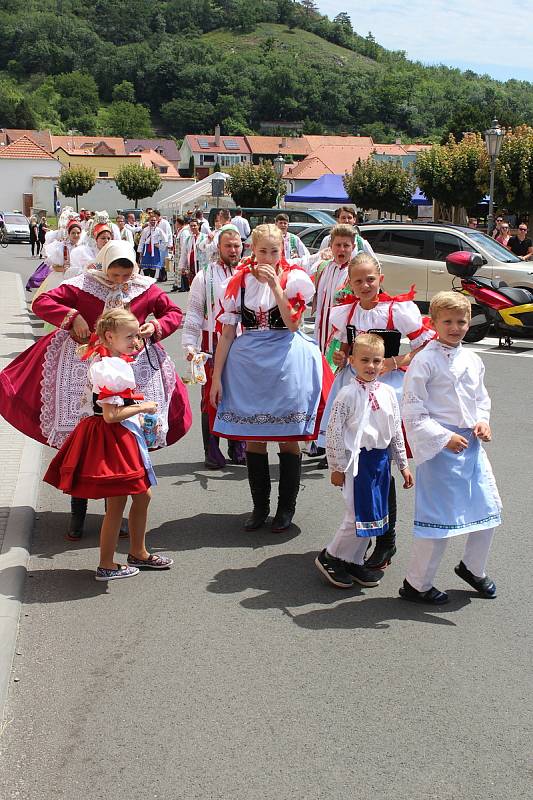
(21, 162)
(208, 151)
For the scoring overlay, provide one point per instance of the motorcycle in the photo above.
(508, 309)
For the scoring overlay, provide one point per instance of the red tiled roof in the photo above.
(345, 141)
(168, 146)
(25, 148)
(336, 159)
(390, 149)
(193, 142)
(42, 138)
(287, 145)
(73, 143)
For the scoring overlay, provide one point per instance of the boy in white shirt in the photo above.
(364, 431)
(446, 412)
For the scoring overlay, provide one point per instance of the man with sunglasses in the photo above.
(521, 245)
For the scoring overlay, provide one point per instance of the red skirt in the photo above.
(98, 459)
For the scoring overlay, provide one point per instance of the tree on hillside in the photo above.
(344, 19)
(78, 97)
(383, 185)
(454, 174)
(136, 182)
(254, 186)
(128, 120)
(514, 171)
(76, 181)
(310, 7)
(124, 91)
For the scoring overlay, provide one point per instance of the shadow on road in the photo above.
(59, 585)
(291, 581)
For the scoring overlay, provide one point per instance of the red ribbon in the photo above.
(297, 305)
(95, 347)
(127, 394)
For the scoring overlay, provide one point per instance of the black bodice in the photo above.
(250, 321)
(98, 409)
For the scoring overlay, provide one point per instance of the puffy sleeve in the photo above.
(337, 454)
(425, 435)
(299, 283)
(58, 306)
(168, 317)
(80, 258)
(111, 375)
(231, 307)
(408, 320)
(338, 319)
(194, 318)
(55, 253)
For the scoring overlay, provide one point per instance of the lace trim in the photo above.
(111, 299)
(158, 332)
(68, 319)
(294, 417)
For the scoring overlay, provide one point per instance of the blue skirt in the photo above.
(371, 493)
(151, 260)
(342, 378)
(271, 387)
(456, 492)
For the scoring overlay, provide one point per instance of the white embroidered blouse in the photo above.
(114, 375)
(443, 386)
(260, 298)
(406, 318)
(364, 415)
(204, 303)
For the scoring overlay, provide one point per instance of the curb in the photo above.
(15, 551)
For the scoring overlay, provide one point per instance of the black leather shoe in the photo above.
(257, 518)
(381, 556)
(485, 586)
(432, 596)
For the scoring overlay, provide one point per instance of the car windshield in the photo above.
(495, 249)
(323, 217)
(15, 219)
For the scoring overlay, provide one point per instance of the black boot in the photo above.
(213, 455)
(78, 510)
(259, 480)
(290, 470)
(386, 544)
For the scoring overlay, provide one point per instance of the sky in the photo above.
(493, 39)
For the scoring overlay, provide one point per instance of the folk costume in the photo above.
(456, 493)
(101, 459)
(274, 383)
(150, 244)
(193, 257)
(56, 259)
(361, 245)
(294, 248)
(200, 334)
(331, 280)
(364, 432)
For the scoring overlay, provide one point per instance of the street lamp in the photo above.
(493, 142)
(279, 168)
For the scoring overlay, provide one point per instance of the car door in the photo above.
(402, 254)
(442, 244)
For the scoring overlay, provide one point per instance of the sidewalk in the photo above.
(21, 462)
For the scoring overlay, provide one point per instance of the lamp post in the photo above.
(279, 167)
(493, 142)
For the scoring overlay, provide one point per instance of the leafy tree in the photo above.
(344, 19)
(254, 186)
(310, 7)
(76, 181)
(454, 174)
(126, 119)
(78, 97)
(136, 182)
(188, 116)
(514, 170)
(124, 91)
(383, 185)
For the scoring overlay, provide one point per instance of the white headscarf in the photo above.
(118, 295)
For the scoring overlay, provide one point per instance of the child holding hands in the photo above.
(364, 430)
(106, 455)
(446, 412)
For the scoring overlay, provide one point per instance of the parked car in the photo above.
(416, 253)
(17, 227)
(125, 211)
(258, 216)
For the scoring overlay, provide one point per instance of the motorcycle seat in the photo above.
(518, 296)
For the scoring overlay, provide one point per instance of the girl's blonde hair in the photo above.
(371, 340)
(342, 230)
(363, 258)
(449, 301)
(110, 320)
(266, 231)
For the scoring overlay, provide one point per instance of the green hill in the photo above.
(179, 68)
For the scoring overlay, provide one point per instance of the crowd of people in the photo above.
(100, 388)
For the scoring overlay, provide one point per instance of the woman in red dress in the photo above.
(106, 455)
(41, 391)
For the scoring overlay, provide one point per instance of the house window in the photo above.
(206, 159)
(103, 174)
(163, 170)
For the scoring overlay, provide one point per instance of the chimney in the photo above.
(283, 142)
(217, 135)
(398, 140)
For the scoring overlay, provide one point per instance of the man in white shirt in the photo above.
(125, 233)
(166, 230)
(131, 224)
(293, 247)
(203, 224)
(242, 224)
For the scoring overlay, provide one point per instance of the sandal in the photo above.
(485, 586)
(152, 562)
(432, 596)
(117, 572)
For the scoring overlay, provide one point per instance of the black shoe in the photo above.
(381, 556)
(432, 596)
(175, 288)
(290, 470)
(322, 464)
(259, 480)
(364, 576)
(334, 570)
(485, 586)
(78, 511)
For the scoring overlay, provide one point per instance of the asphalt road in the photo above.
(239, 675)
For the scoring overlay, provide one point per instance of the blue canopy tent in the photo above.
(327, 189)
(420, 199)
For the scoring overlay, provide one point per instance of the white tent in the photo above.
(200, 189)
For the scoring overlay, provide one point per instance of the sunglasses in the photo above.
(523, 229)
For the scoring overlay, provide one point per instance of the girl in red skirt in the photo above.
(106, 456)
